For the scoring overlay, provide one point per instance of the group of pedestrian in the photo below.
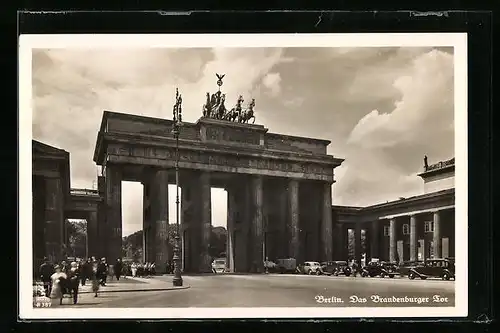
(61, 278)
(146, 269)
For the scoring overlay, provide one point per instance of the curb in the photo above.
(135, 290)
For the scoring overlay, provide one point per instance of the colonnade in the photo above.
(267, 217)
(412, 236)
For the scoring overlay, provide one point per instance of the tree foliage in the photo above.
(132, 244)
(76, 232)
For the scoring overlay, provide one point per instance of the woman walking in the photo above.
(56, 292)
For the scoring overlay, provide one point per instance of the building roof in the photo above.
(438, 168)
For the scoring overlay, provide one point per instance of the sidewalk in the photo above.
(131, 284)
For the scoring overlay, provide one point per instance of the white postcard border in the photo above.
(29, 42)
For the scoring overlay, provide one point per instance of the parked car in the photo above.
(336, 268)
(380, 268)
(219, 265)
(312, 267)
(288, 265)
(405, 266)
(440, 268)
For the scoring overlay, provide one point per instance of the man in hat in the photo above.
(46, 271)
(102, 271)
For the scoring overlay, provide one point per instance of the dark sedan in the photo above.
(336, 268)
(405, 266)
(434, 268)
(381, 269)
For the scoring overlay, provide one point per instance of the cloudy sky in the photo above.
(382, 108)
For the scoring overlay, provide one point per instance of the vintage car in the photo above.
(336, 268)
(434, 268)
(219, 265)
(380, 268)
(405, 266)
(311, 267)
(286, 265)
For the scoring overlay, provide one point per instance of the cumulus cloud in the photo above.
(272, 82)
(421, 122)
(426, 95)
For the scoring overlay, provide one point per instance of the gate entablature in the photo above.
(212, 145)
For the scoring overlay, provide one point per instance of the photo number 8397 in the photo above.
(42, 302)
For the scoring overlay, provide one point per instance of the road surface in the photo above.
(281, 291)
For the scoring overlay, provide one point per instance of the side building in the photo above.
(414, 228)
(54, 202)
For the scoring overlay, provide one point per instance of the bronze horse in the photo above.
(221, 108)
(231, 115)
(207, 107)
(244, 117)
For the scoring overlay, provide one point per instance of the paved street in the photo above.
(279, 291)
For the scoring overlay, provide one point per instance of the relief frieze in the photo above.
(237, 161)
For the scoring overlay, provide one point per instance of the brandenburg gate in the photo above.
(279, 187)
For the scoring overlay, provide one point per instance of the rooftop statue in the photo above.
(426, 164)
(215, 108)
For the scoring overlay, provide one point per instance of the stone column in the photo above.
(190, 221)
(392, 240)
(413, 238)
(341, 246)
(101, 219)
(206, 222)
(375, 240)
(92, 234)
(113, 213)
(357, 243)
(146, 221)
(327, 224)
(257, 225)
(159, 219)
(293, 208)
(54, 219)
(231, 205)
(436, 237)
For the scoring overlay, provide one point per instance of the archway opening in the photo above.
(77, 245)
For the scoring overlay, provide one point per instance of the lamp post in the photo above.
(177, 122)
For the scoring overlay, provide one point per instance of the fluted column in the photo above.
(54, 219)
(436, 237)
(293, 208)
(231, 206)
(357, 243)
(257, 227)
(413, 238)
(113, 213)
(327, 224)
(159, 218)
(101, 219)
(392, 240)
(340, 240)
(92, 234)
(206, 222)
(148, 254)
(375, 239)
